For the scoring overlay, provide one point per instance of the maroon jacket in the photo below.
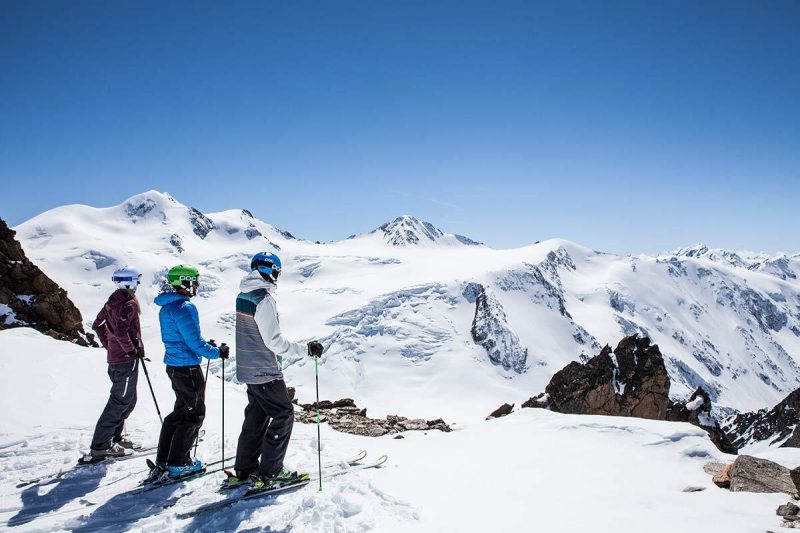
(117, 326)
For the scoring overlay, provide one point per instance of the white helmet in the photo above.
(127, 277)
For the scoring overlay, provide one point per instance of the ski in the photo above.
(251, 494)
(336, 473)
(351, 462)
(141, 452)
(137, 452)
(222, 504)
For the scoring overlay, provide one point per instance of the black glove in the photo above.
(212, 342)
(315, 348)
(137, 352)
(224, 351)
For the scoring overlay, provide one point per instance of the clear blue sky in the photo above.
(625, 126)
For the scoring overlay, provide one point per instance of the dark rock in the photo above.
(33, 298)
(201, 224)
(503, 410)
(778, 424)
(491, 330)
(327, 404)
(540, 401)
(788, 509)
(343, 415)
(751, 474)
(694, 489)
(630, 380)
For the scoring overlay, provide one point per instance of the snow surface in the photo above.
(396, 317)
(396, 321)
(533, 470)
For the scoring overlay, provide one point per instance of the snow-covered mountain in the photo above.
(451, 327)
(418, 323)
(407, 230)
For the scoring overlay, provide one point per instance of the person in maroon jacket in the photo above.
(117, 326)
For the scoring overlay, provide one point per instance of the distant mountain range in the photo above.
(448, 324)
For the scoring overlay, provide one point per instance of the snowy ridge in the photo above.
(392, 307)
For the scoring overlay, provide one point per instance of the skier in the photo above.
(117, 326)
(269, 415)
(185, 348)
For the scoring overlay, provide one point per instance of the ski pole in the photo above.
(319, 442)
(149, 384)
(197, 439)
(223, 413)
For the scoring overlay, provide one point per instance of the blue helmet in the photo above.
(267, 264)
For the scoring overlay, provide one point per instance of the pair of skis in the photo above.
(251, 494)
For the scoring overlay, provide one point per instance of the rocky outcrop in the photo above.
(29, 298)
(777, 425)
(503, 410)
(490, 329)
(751, 474)
(630, 380)
(201, 224)
(787, 510)
(345, 416)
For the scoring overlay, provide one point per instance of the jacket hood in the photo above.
(253, 281)
(166, 298)
(120, 296)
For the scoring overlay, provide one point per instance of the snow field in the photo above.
(532, 470)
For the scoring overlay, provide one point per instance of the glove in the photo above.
(315, 348)
(224, 351)
(213, 343)
(137, 352)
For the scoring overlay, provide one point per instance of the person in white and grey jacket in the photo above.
(260, 346)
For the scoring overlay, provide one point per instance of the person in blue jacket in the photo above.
(185, 348)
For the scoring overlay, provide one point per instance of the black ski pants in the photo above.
(121, 401)
(179, 431)
(267, 428)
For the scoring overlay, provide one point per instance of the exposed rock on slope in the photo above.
(490, 329)
(345, 416)
(631, 380)
(778, 425)
(29, 298)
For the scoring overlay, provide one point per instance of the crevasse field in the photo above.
(394, 311)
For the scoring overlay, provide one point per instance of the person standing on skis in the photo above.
(185, 348)
(260, 345)
(118, 328)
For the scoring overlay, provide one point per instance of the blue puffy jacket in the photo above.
(180, 331)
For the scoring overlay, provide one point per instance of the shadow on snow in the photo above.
(67, 489)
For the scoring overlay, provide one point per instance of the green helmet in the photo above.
(183, 276)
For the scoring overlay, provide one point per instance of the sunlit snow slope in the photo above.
(395, 306)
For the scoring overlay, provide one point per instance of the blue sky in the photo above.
(625, 126)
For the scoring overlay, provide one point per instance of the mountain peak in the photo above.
(408, 230)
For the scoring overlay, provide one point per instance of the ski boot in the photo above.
(115, 450)
(157, 474)
(282, 478)
(127, 443)
(235, 479)
(178, 472)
